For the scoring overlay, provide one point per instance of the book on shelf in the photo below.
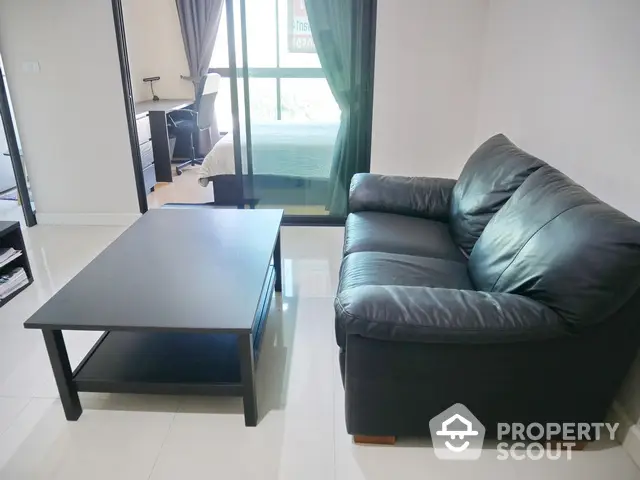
(12, 281)
(8, 254)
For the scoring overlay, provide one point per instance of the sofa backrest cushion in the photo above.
(489, 178)
(556, 243)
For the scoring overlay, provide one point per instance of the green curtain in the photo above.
(330, 22)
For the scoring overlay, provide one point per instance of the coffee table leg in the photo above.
(247, 371)
(59, 359)
(277, 264)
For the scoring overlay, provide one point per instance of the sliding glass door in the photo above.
(290, 83)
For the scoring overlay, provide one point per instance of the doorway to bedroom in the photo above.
(294, 103)
(281, 91)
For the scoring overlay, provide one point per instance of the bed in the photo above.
(291, 164)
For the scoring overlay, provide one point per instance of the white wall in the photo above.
(70, 115)
(562, 80)
(155, 48)
(427, 76)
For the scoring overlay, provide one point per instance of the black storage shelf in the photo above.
(10, 262)
(11, 236)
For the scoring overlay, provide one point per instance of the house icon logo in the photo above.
(457, 434)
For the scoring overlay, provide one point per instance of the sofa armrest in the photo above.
(413, 196)
(439, 315)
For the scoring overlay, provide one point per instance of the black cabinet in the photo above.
(151, 119)
(146, 153)
(149, 175)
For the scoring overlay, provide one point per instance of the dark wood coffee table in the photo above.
(182, 297)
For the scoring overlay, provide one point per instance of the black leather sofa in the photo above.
(512, 290)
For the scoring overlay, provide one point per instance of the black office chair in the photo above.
(198, 128)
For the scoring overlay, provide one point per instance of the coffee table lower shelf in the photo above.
(162, 363)
(219, 364)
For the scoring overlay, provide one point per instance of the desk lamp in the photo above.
(151, 80)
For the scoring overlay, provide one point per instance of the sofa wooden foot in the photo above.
(373, 440)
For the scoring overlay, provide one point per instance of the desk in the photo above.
(151, 120)
(143, 108)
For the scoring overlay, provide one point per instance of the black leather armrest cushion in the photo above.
(438, 315)
(412, 196)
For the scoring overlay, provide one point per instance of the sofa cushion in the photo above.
(489, 178)
(424, 197)
(376, 268)
(390, 233)
(361, 269)
(556, 243)
(439, 315)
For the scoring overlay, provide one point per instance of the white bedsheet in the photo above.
(301, 150)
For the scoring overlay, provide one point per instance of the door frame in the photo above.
(14, 154)
(365, 8)
(129, 106)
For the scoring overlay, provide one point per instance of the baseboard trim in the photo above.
(628, 434)
(117, 219)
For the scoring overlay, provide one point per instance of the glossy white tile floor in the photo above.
(301, 434)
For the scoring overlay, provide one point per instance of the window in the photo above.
(286, 80)
(263, 102)
(307, 99)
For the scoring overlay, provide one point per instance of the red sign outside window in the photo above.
(300, 39)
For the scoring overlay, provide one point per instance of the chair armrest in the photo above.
(413, 196)
(438, 315)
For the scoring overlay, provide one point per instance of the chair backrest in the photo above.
(206, 107)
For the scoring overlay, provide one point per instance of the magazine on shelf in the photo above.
(8, 254)
(12, 281)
